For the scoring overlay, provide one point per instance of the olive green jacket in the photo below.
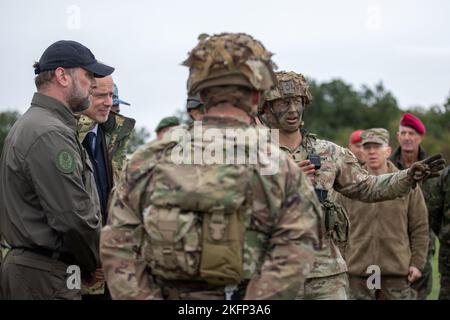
(48, 198)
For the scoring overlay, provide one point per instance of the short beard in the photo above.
(75, 99)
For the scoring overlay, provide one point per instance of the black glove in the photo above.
(427, 168)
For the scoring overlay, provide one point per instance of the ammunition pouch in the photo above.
(337, 223)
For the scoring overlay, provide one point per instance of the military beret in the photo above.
(355, 137)
(408, 120)
(167, 122)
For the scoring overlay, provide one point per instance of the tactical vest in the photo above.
(196, 223)
(337, 223)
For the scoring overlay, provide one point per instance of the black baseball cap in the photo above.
(71, 54)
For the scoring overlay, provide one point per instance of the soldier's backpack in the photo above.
(196, 221)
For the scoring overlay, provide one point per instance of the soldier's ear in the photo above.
(388, 151)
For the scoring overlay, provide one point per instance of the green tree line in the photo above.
(338, 109)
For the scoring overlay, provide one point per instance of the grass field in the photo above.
(435, 292)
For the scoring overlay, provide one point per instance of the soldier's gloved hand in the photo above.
(427, 168)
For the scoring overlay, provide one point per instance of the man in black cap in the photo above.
(49, 206)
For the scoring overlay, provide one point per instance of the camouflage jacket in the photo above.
(340, 171)
(282, 219)
(117, 134)
(439, 207)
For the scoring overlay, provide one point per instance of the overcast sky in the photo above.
(405, 44)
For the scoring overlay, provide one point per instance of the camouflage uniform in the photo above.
(117, 130)
(424, 285)
(280, 214)
(439, 210)
(341, 172)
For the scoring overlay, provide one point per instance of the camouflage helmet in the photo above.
(229, 59)
(290, 84)
(193, 102)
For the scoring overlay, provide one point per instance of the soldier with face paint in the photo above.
(331, 168)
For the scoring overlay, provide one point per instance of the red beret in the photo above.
(355, 137)
(408, 120)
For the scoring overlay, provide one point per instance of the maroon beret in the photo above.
(408, 120)
(355, 137)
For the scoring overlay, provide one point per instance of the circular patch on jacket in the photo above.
(65, 161)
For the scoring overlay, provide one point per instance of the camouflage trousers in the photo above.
(424, 285)
(392, 288)
(326, 288)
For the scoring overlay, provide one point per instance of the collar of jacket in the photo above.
(116, 120)
(85, 124)
(56, 107)
(308, 140)
(224, 121)
(397, 159)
